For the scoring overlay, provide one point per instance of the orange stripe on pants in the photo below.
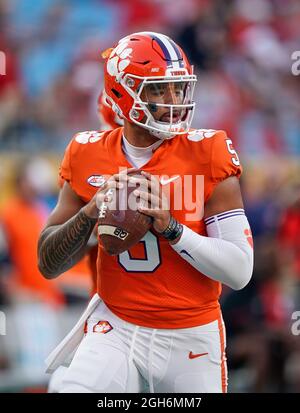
(223, 355)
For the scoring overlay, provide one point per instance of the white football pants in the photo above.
(115, 356)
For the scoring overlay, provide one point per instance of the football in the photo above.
(120, 224)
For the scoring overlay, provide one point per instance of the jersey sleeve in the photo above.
(80, 161)
(65, 170)
(224, 159)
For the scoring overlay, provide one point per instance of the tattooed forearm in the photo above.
(62, 246)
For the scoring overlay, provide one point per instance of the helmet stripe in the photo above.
(167, 46)
(164, 50)
(177, 51)
(170, 50)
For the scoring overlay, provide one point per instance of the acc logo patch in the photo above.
(102, 327)
(96, 180)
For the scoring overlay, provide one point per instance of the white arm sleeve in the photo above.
(226, 255)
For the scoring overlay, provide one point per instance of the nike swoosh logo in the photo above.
(185, 252)
(193, 356)
(167, 181)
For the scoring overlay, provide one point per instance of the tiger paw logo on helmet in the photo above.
(119, 59)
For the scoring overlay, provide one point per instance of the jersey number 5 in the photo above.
(235, 158)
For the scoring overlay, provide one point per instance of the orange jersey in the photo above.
(151, 285)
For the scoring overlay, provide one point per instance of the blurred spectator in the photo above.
(32, 299)
(258, 318)
(23, 216)
(289, 236)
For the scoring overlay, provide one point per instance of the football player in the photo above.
(159, 323)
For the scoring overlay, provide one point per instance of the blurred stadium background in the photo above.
(242, 54)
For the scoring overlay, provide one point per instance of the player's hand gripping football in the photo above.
(104, 195)
(154, 202)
